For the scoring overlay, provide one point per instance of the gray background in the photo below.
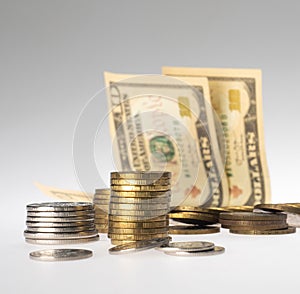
(52, 56)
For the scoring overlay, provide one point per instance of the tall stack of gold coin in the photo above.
(101, 202)
(139, 204)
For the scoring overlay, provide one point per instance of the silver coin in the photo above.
(61, 241)
(60, 254)
(138, 246)
(34, 235)
(215, 251)
(126, 206)
(132, 200)
(59, 206)
(83, 213)
(57, 220)
(191, 246)
(140, 175)
(61, 229)
(31, 224)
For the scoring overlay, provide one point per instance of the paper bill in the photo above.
(65, 195)
(236, 96)
(161, 123)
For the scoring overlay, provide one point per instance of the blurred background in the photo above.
(53, 54)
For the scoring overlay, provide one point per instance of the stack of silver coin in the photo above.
(101, 203)
(60, 223)
(139, 204)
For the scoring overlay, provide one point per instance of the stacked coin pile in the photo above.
(101, 202)
(139, 204)
(199, 220)
(251, 223)
(60, 223)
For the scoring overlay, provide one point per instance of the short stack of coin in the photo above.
(199, 220)
(139, 204)
(251, 223)
(101, 202)
(60, 223)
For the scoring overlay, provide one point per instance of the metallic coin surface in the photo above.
(217, 250)
(192, 230)
(194, 217)
(58, 225)
(126, 218)
(139, 237)
(104, 191)
(80, 213)
(252, 216)
(289, 230)
(138, 246)
(60, 254)
(61, 241)
(188, 209)
(138, 213)
(140, 175)
(59, 206)
(61, 229)
(268, 207)
(141, 194)
(128, 200)
(243, 208)
(86, 234)
(139, 225)
(55, 220)
(259, 228)
(143, 206)
(131, 188)
(190, 246)
(136, 182)
(138, 231)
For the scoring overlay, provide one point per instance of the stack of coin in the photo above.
(60, 223)
(251, 223)
(101, 203)
(139, 204)
(199, 220)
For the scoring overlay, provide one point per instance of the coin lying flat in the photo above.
(193, 217)
(31, 224)
(142, 206)
(252, 216)
(61, 229)
(59, 206)
(60, 254)
(135, 182)
(139, 225)
(268, 207)
(191, 246)
(138, 231)
(243, 208)
(61, 241)
(133, 237)
(217, 250)
(141, 175)
(131, 188)
(192, 230)
(60, 219)
(138, 213)
(102, 191)
(34, 235)
(126, 218)
(85, 213)
(138, 246)
(141, 194)
(289, 230)
(148, 200)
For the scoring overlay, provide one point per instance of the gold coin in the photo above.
(258, 228)
(143, 175)
(291, 208)
(144, 200)
(252, 216)
(141, 194)
(289, 230)
(104, 191)
(251, 223)
(138, 213)
(137, 231)
(131, 188)
(120, 218)
(239, 208)
(126, 206)
(139, 225)
(193, 217)
(129, 237)
(140, 182)
(269, 207)
(192, 230)
(188, 209)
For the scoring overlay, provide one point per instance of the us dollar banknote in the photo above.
(165, 124)
(236, 97)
